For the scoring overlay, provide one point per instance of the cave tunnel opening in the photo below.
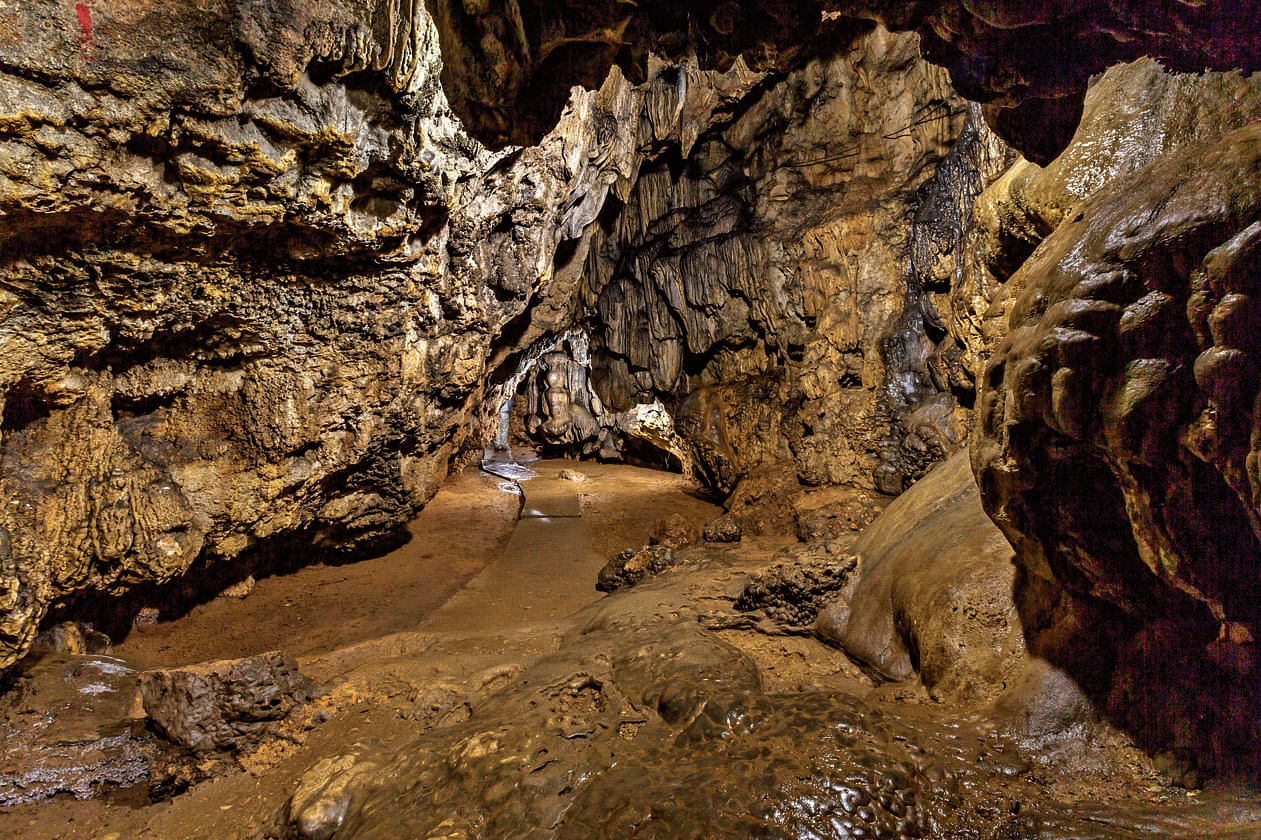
(810, 414)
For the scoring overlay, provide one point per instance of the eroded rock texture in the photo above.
(759, 281)
(1117, 422)
(224, 705)
(251, 277)
(510, 63)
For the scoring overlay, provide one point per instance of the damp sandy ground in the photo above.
(412, 642)
(473, 590)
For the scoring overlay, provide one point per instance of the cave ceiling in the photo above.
(509, 66)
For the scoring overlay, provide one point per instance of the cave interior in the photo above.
(535, 419)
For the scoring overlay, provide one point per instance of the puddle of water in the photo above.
(510, 470)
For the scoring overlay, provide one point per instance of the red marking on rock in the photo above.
(85, 23)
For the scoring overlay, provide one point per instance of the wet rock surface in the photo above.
(228, 705)
(1112, 379)
(645, 724)
(651, 711)
(73, 725)
(319, 805)
(259, 290)
(934, 595)
(513, 57)
(1096, 487)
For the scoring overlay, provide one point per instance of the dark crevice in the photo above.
(23, 405)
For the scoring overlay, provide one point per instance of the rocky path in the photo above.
(527, 700)
(545, 571)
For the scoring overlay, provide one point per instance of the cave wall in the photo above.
(254, 280)
(257, 281)
(236, 300)
(778, 283)
(1108, 314)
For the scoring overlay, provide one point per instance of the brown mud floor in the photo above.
(412, 641)
(374, 625)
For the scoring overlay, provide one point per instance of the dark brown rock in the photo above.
(508, 64)
(633, 565)
(226, 705)
(723, 529)
(793, 590)
(1113, 447)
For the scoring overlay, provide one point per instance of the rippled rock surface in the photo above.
(643, 724)
(1118, 425)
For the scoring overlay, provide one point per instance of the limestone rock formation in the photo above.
(1133, 114)
(218, 231)
(757, 280)
(509, 63)
(1117, 429)
(564, 412)
(1115, 422)
(803, 580)
(629, 567)
(933, 595)
(224, 705)
(256, 281)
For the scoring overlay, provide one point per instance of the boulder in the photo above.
(934, 595)
(225, 705)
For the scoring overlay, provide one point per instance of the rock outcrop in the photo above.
(933, 596)
(509, 64)
(227, 705)
(1117, 429)
(759, 280)
(1117, 422)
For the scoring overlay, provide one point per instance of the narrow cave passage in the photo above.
(583, 421)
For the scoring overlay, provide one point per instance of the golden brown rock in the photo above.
(933, 594)
(1115, 444)
(252, 272)
(758, 281)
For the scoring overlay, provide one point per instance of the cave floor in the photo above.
(487, 629)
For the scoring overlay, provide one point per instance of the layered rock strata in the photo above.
(251, 277)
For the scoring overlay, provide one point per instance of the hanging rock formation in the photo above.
(509, 64)
(758, 281)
